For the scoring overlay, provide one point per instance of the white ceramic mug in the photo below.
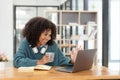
(50, 56)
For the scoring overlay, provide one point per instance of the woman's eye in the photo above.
(45, 34)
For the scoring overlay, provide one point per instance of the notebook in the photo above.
(84, 61)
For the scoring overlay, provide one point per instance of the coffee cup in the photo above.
(50, 56)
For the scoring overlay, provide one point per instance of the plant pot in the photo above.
(2, 65)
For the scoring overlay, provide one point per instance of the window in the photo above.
(114, 57)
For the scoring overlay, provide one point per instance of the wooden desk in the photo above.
(12, 73)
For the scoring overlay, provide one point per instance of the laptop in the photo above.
(84, 61)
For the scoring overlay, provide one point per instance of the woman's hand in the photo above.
(74, 53)
(44, 60)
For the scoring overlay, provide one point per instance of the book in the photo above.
(88, 37)
(42, 67)
(92, 34)
(32, 68)
(25, 69)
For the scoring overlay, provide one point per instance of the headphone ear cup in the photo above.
(35, 50)
(43, 50)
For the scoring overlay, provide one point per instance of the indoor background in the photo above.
(15, 13)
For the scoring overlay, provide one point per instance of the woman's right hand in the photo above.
(44, 60)
(74, 53)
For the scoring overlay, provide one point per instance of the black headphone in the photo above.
(43, 50)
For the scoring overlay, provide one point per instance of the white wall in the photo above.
(6, 27)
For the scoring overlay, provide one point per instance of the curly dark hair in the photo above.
(35, 26)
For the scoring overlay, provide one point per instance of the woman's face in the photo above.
(44, 37)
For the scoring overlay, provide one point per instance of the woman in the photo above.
(39, 35)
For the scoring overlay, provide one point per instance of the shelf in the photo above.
(71, 25)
